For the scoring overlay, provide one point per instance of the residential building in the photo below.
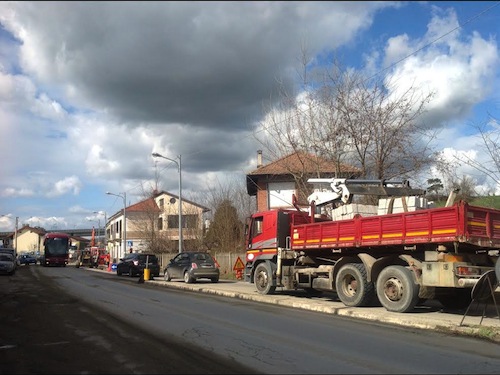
(154, 221)
(274, 184)
(30, 240)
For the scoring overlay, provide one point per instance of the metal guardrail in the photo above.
(71, 232)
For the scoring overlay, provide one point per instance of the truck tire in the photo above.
(497, 269)
(396, 289)
(263, 279)
(352, 286)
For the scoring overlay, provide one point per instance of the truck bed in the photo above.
(470, 226)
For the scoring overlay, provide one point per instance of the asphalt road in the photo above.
(44, 331)
(481, 320)
(81, 339)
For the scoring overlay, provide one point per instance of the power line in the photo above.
(435, 40)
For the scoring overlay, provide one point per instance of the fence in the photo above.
(226, 261)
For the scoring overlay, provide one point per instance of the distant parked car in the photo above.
(192, 266)
(7, 264)
(26, 259)
(134, 263)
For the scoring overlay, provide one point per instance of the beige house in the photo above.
(30, 240)
(152, 219)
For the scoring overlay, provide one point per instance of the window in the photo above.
(190, 221)
(160, 223)
(161, 203)
(257, 226)
(173, 221)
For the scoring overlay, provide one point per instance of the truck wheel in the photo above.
(263, 279)
(352, 286)
(396, 289)
(497, 269)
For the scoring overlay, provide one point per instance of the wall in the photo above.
(226, 262)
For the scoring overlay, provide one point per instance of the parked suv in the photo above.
(134, 263)
(192, 266)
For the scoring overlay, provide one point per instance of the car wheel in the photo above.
(166, 276)
(214, 279)
(118, 272)
(187, 278)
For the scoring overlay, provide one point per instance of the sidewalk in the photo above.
(428, 316)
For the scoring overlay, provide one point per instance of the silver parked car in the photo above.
(8, 263)
(191, 266)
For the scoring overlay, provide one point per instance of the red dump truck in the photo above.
(397, 253)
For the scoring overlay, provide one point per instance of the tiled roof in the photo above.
(298, 162)
(147, 205)
(36, 230)
(204, 209)
(301, 162)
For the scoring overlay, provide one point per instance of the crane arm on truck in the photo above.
(341, 190)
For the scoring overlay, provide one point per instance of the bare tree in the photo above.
(341, 117)
(230, 205)
(489, 134)
(145, 224)
(466, 188)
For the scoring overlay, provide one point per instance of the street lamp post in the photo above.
(124, 197)
(157, 155)
(17, 222)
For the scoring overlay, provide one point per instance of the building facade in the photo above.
(275, 184)
(153, 225)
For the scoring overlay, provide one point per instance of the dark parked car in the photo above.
(7, 263)
(192, 266)
(26, 259)
(134, 263)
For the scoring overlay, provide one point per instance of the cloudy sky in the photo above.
(88, 90)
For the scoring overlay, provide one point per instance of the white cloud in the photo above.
(67, 185)
(90, 89)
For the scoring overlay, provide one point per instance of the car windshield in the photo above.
(150, 258)
(202, 256)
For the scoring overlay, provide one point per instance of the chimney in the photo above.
(259, 158)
